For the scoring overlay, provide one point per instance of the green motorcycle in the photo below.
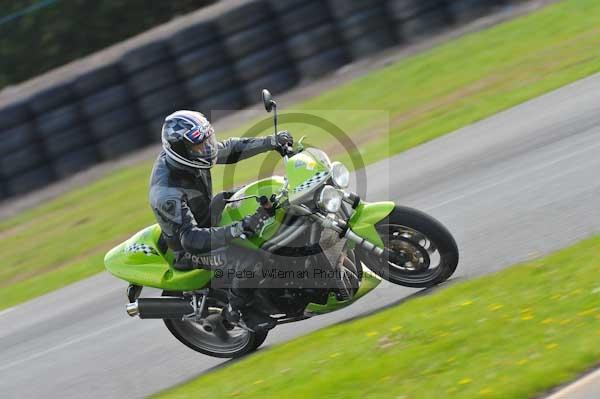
(336, 247)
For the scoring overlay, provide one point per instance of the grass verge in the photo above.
(514, 334)
(424, 96)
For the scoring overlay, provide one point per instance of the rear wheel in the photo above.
(213, 336)
(422, 252)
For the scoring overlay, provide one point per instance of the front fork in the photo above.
(360, 225)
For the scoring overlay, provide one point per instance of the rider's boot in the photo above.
(257, 320)
(233, 312)
(240, 308)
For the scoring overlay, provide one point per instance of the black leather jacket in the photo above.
(180, 198)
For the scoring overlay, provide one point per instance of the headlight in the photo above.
(330, 199)
(340, 175)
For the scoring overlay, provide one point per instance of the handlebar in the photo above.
(288, 151)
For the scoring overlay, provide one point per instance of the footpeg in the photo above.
(231, 315)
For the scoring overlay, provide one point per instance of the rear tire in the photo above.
(421, 239)
(191, 334)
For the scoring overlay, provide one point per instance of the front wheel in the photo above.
(422, 252)
(212, 336)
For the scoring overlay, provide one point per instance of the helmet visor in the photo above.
(205, 151)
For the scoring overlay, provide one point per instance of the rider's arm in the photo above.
(235, 149)
(177, 221)
(196, 239)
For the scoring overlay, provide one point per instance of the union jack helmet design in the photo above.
(189, 139)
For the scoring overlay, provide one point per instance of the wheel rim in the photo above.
(212, 335)
(424, 259)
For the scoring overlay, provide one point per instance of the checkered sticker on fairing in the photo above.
(316, 179)
(144, 248)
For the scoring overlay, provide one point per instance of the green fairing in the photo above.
(299, 168)
(367, 284)
(129, 262)
(303, 167)
(366, 215)
(147, 267)
(237, 210)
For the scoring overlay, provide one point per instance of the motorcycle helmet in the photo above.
(189, 139)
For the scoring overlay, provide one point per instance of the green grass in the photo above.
(420, 98)
(514, 334)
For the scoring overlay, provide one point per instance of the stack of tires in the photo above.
(253, 41)
(22, 164)
(311, 37)
(106, 104)
(154, 84)
(59, 124)
(205, 69)
(364, 25)
(463, 11)
(414, 19)
(220, 63)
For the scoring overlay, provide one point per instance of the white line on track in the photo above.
(516, 176)
(61, 346)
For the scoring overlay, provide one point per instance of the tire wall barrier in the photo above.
(217, 62)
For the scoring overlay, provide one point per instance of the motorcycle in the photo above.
(317, 225)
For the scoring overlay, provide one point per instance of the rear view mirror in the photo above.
(268, 100)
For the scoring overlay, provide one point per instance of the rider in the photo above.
(181, 194)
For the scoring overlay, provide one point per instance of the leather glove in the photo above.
(252, 224)
(283, 143)
(237, 229)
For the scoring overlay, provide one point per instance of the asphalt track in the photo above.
(510, 188)
(587, 387)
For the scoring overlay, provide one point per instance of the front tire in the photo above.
(213, 337)
(423, 253)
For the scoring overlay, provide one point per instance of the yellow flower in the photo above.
(485, 391)
(466, 303)
(548, 321)
(372, 333)
(396, 328)
(551, 346)
(495, 306)
(527, 317)
(586, 312)
(465, 381)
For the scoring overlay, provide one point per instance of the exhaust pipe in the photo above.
(161, 308)
(133, 309)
